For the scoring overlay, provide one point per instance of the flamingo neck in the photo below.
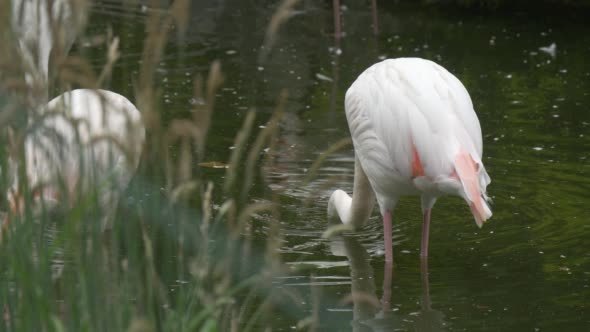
(353, 210)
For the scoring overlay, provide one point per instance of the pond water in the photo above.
(527, 269)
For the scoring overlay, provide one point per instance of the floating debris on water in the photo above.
(550, 49)
(323, 77)
(213, 164)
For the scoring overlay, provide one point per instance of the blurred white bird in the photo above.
(86, 142)
(82, 142)
(414, 132)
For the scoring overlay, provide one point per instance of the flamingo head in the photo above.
(474, 180)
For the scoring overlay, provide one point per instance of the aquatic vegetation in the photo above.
(179, 256)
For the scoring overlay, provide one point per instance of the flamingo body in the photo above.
(86, 141)
(414, 132)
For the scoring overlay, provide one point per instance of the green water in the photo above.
(528, 269)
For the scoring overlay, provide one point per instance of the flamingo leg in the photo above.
(374, 13)
(425, 233)
(387, 237)
(387, 277)
(425, 284)
(337, 23)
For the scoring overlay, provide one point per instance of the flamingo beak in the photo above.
(478, 217)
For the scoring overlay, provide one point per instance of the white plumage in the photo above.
(39, 34)
(85, 142)
(414, 132)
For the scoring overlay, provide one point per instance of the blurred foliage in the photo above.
(179, 257)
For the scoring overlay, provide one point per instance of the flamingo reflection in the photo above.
(371, 314)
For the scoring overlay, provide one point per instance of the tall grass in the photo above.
(172, 262)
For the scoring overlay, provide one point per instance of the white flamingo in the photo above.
(82, 142)
(86, 142)
(414, 132)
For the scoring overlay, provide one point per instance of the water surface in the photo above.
(527, 269)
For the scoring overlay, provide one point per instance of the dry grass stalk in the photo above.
(191, 132)
(280, 17)
(202, 113)
(112, 57)
(263, 137)
(158, 25)
(311, 173)
(239, 144)
(77, 71)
